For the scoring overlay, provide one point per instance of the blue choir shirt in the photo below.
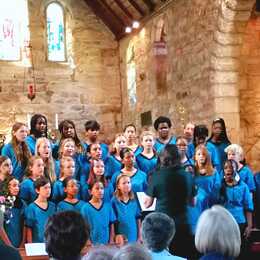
(247, 176)
(65, 205)
(36, 219)
(27, 191)
(238, 200)
(113, 166)
(146, 164)
(138, 180)
(211, 185)
(18, 168)
(221, 155)
(31, 142)
(159, 146)
(14, 228)
(127, 214)
(99, 221)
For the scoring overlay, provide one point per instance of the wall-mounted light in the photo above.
(135, 25)
(128, 29)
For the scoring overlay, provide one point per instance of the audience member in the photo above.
(132, 252)
(158, 230)
(66, 234)
(217, 235)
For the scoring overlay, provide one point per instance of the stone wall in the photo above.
(90, 90)
(213, 69)
(250, 91)
(188, 95)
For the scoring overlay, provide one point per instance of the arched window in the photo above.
(13, 26)
(55, 32)
(131, 76)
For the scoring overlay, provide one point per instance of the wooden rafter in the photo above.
(107, 6)
(124, 9)
(257, 5)
(150, 4)
(116, 26)
(137, 7)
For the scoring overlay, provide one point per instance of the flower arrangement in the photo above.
(6, 205)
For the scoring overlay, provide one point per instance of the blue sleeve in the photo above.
(6, 151)
(84, 192)
(138, 210)
(250, 181)
(57, 168)
(112, 217)
(84, 172)
(110, 189)
(58, 192)
(113, 180)
(59, 207)
(29, 216)
(145, 184)
(109, 167)
(24, 192)
(247, 200)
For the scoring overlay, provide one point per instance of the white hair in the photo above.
(132, 252)
(217, 231)
(236, 149)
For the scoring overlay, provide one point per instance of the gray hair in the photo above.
(132, 252)
(158, 230)
(217, 231)
(237, 150)
(100, 253)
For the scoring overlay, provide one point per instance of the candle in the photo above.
(56, 121)
(29, 121)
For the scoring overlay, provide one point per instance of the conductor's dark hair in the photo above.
(169, 156)
(33, 122)
(162, 119)
(66, 233)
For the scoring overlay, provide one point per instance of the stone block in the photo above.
(223, 77)
(226, 105)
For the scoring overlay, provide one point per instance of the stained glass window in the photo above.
(13, 22)
(131, 76)
(131, 83)
(55, 32)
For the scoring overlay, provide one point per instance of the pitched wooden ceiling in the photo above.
(118, 14)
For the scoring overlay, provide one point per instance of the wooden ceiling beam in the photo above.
(137, 7)
(124, 9)
(121, 21)
(100, 11)
(150, 4)
(257, 5)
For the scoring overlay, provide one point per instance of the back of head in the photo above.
(169, 156)
(158, 230)
(217, 231)
(66, 233)
(100, 253)
(132, 252)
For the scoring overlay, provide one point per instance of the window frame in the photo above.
(46, 33)
(20, 42)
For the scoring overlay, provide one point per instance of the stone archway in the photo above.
(225, 76)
